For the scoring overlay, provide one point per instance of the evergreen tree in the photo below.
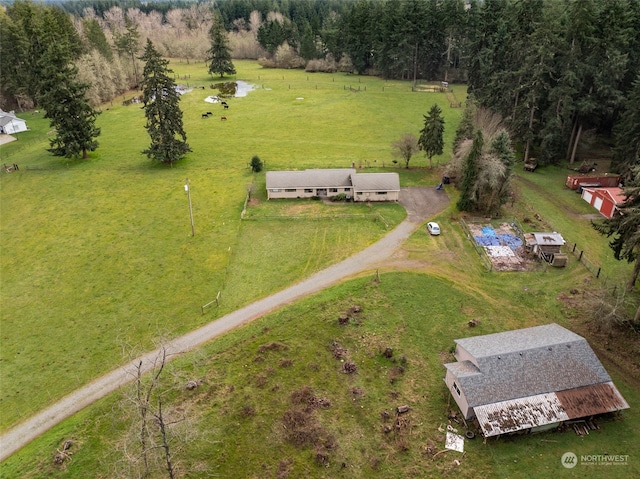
(127, 43)
(161, 108)
(625, 228)
(27, 30)
(626, 154)
(359, 34)
(64, 100)
(219, 55)
(431, 139)
(468, 200)
(466, 127)
(308, 44)
(494, 179)
(256, 164)
(96, 38)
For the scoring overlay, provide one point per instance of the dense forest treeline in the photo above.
(560, 72)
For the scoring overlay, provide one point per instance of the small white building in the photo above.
(10, 123)
(333, 182)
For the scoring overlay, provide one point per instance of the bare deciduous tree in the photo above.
(405, 147)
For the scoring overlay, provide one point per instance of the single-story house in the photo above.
(605, 200)
(529, 379)
(10, 123)
(332, 182)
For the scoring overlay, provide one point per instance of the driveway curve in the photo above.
(420, 203)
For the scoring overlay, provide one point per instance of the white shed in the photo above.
(10, 123)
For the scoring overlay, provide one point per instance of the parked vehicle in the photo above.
(433, 228)
(531, 164)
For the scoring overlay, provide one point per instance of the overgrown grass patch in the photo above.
(237, 414)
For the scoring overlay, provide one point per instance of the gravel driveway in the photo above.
(420, 203)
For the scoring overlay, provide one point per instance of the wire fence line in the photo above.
(374, 216)
(607, 281)
(482, 253)
(20, 146)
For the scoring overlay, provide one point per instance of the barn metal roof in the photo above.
(524, 363)
(542, 409)
(517, 341)
(518, 414)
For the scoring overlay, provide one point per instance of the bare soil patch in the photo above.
(503, 249)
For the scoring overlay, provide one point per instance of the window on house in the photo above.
(455, 386)
(347, 190)
(290, 190)
(359, 193)
(275, 190)
(381, 192)
(333, 190)
(308, 190)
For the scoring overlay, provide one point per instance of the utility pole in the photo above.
(188, 190)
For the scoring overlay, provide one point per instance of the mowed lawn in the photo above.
(97, 256)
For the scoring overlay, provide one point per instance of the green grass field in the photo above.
(98, 254)
(98, 261)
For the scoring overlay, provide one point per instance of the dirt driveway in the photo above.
(421, 204)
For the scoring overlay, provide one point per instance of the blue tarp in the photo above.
(512, 241)
(487, 240)
(488, 231)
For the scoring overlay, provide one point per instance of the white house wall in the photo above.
(295, 193)
(458, 395)
(376, 196)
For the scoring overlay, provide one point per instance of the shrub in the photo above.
(256, 164)
(327, 65)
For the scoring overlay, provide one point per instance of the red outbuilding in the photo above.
(605, 200)
(606, 180)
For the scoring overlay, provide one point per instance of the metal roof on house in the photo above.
(375, 181)
(543, 409)
(320, 178)
(526, 362)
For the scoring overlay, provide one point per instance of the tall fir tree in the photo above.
(431, 139)
(626, 153)
(127, 44)
(219, 55)
(161, 108)
(64, 99)
(625, 228)
(467, 200)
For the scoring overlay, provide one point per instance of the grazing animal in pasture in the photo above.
(209, 113)
(223, 118)
(204, 115)
(226, 107)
